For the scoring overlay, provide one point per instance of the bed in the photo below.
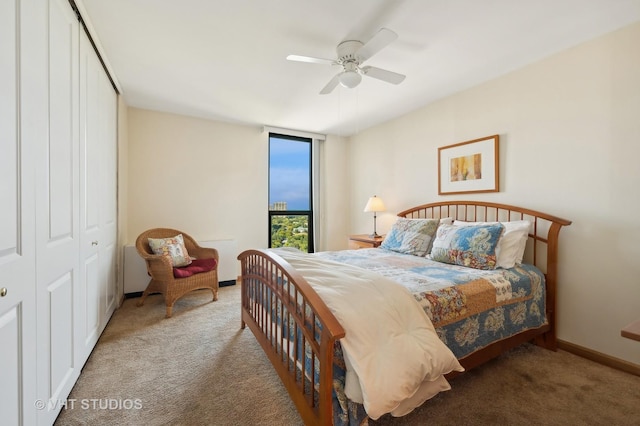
(292, 311)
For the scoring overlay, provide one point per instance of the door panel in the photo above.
(8, 127)
(109, 206)
(63, 62)
(90, 196)
(98, 192)
(91, 323)
(11, 402)
(17, 248)
(109, 273)
(61, 345)
(57, 233)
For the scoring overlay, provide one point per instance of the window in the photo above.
(290, 201)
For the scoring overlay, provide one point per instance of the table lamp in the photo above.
(374, 205)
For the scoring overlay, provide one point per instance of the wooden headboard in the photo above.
(543, 236)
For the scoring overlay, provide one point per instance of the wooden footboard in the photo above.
(290, 320)
(295, 329)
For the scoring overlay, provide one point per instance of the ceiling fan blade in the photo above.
(311, 59)
(380, 40)
(384, 75)
(331, 85)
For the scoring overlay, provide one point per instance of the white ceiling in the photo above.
(225, 59)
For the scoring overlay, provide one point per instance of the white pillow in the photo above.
(442, 221)
(427, 390)
(510, 248)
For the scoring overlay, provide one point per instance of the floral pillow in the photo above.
(512, 244)
(173, 247)
(471, 246)
(411, 236)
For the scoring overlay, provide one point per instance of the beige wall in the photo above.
(569, 145)
(210, 179)
(203, 177)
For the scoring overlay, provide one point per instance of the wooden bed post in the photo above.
(549, 339)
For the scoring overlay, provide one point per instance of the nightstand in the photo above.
(364, 241)
(632, 331)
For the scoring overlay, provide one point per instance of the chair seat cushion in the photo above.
(197, 266)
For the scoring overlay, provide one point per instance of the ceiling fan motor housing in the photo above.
(347, 52)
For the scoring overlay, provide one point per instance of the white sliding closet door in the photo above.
(57, 226)
(98, 209)
(108, 143)
(58, 220)
(17, 248)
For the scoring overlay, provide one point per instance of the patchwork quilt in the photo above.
(470, 308)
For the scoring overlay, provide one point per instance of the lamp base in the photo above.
(375, 235)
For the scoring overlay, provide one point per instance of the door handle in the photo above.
(94, 243)
(3, 291)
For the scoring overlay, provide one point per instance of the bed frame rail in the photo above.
(295, 328)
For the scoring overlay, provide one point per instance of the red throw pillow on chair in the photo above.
(197, 266)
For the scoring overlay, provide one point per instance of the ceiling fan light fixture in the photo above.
(351, 55)
(350, 79)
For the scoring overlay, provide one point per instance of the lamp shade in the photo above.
(374, 204)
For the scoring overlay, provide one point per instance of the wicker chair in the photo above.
(161, 270)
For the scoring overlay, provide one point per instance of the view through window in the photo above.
(290, 201)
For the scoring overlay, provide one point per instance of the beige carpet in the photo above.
(199, 368)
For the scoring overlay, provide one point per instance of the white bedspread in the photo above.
(390, 348)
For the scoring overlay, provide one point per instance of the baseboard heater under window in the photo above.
(135, 270)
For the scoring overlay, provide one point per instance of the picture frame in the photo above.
(469, 167)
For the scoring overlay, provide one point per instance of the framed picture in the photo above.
(470, 166)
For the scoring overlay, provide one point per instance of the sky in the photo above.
(289, 173)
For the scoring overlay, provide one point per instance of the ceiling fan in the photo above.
(351, 55)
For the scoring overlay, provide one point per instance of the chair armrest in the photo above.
(159, 267)
(204, 253)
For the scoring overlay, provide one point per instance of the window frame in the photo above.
(307, 213)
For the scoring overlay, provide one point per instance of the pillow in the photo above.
(443, 221)
(411, 236)
(172, 247)
(471, 246)
(510, 249)
(446, 221)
